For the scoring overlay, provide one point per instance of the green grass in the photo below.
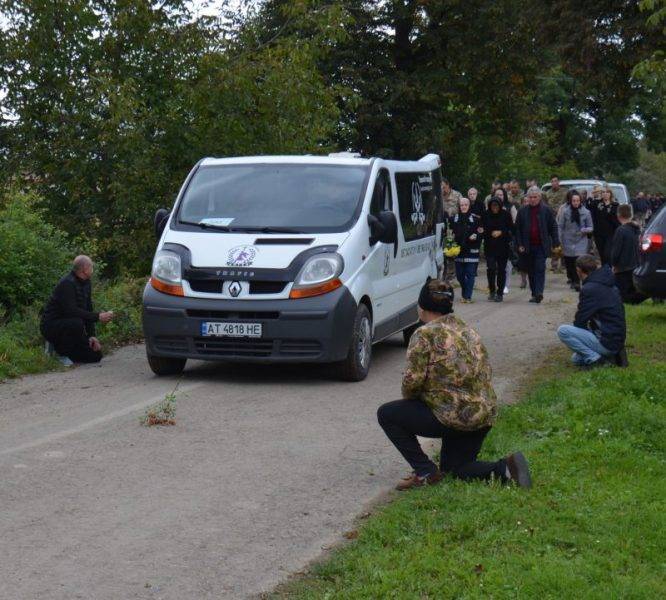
(22, 346)
(592, 527)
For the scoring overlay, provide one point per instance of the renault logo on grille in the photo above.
(235, 289)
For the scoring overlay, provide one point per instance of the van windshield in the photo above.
(264, 197)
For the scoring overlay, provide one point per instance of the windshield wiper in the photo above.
(271, 229)
(204, 225)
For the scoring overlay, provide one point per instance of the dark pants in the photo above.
(536, 270)
(572, 274)
(466, 274)
(403, 420)
(603, 245)
(69, 338)
(496, 272)
(625, 283)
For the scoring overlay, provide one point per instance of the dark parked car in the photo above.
(650, 275)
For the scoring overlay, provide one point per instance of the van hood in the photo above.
(261, 251)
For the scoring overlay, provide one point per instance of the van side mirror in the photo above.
(383, 228)
(160, 221)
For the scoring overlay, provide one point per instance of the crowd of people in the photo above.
(520, 231)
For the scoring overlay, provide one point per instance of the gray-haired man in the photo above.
(68, 320)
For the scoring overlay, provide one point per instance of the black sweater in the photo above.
(503, 222)
(604, 218)
(463, 227)
(624, 251)
(71, 298)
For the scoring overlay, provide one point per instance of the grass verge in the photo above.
(592, 526)
(22, 346)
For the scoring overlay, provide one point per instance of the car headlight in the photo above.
(167, 267)
(319, 275)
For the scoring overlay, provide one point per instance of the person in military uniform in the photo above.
(556, 197)
(447, 394)
(450, 199)
(516, 195)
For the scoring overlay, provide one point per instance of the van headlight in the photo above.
(319, 275)
(166, 275)
(167, 267)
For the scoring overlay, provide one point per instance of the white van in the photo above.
(620, 192)
(283, 259)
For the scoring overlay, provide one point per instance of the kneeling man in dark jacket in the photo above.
(599, 330)
(68, 321)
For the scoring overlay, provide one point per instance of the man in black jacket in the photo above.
(537, 237)
(624, 255)
(599, 330)
(68, 320)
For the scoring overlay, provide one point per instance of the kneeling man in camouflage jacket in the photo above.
(447, 394)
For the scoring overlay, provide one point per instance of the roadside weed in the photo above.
(163, 412)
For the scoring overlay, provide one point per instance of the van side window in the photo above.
(417, 203)
(381, 196)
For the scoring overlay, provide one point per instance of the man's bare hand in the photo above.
(496, 233)
(94, 344)
(521, 249)
(106, 316)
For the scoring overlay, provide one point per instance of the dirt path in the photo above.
(265, 467)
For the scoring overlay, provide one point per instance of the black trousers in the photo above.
(603, 245)
(69, 338)
(625, 283)
(496, 273)
(403, 420)
(570, 264)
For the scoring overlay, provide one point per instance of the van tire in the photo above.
(357, 364)
(408, 333)
(161, 365)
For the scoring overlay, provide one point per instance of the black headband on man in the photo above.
(436, 300)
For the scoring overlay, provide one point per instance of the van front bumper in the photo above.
(314, 329)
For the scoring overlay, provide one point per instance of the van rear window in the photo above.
(417, 202)
(295, 197)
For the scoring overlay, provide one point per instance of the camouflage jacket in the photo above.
(448, 369)
(450, 203)
(517, 199)
(555, 199)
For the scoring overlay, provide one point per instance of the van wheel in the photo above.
(161, 365)
(357, 364)
(408, 333)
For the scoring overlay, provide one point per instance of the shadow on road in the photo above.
(293, 373)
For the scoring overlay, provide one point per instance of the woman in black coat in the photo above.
(604, 218)
(466, 228)
(497, 234)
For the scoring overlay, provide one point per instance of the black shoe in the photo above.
(491, 297)
(600, 362)
(499, 298)
(621, 359)
(534, 300)
(539, 298)
(519, 470)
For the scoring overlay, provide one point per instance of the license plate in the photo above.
(209, 329)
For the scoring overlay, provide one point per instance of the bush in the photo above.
(33, 254)
(124, 298)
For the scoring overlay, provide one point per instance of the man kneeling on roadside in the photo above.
(599, 330)
(448, 395)
(68, 321)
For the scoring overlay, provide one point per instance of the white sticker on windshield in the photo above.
(217, 221)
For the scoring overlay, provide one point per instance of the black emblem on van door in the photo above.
(235, 289)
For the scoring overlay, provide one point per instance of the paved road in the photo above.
(264, 468)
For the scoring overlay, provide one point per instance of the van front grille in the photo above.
(237, 314)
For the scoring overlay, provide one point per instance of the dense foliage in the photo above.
(33, 254)
(107, 104)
